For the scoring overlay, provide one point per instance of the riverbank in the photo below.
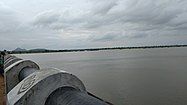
(2, 92)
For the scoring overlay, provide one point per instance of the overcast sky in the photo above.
(66, 24)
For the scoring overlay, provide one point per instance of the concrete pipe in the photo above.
(12, 72)
(37, 87)
(71, 96)
(25, 72)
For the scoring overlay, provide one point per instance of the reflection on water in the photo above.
(126, 77)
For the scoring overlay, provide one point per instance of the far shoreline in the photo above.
(92, 49)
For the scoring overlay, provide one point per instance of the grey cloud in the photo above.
(156, 13)
(139, 35)
(138, 18)
(59, 20)
(103, 7)
(15, 32)
(117, 36)
(100, 20)
(48, 19)
(8, 19)
(105, 37)
(92, 18)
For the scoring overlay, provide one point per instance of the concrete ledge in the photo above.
(7, 56)
(8, 63)
(8, 59)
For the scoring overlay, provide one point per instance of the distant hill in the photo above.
(20, 49)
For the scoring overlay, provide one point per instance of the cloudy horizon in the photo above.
(67, 24)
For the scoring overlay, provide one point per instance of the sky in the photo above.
(70, 24)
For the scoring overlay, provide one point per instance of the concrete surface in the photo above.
(12, 72)
(36, 88)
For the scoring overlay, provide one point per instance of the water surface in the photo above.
(126, 77)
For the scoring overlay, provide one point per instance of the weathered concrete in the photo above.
(12, 72)
(71, 96)
(8, 63)
(25, 72)
(7, 56)
(8, 59)
(37, 87)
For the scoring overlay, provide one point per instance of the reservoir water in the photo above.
(126, 77)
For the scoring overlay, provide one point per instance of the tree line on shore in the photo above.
(89, 49)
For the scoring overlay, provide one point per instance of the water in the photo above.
(126, 77)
